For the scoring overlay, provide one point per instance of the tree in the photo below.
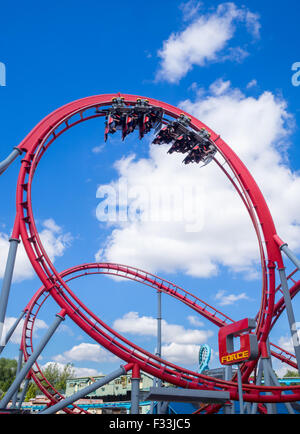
(8, 370)
(291, 374)
(31, 392)
(57, 376)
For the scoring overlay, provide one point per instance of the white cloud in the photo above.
(86, 372)
(193, 320)
(286, 343)
(132, 323)
(52, 226)
(227, 299)
(219, 87)
(86, 352)
(204, 40)
(182, 354)
(78, 371)
(190, 9)
(258, 130)
(253, 24)
(252, 83)
(54, 240)
(283, 369)
(17, 335)
(186, 355)
(98, 149)
(180, 345)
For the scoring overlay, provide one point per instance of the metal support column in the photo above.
(228, 407)
(276, 383)
(156, 381)
(273, 379)
(135, 389)
(258, 383)
(290, 255)
(290, 315)
(6, 284)
(20, 360)
(31, 360)
(23, 393)
(164, 407)
(7, 162)
(158, 352)
(240, 389)
(271, 408)
(84, 392)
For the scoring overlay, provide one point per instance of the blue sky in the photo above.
(239, 81)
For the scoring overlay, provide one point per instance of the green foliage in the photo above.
(292, 374)
(8, 369)
(53, 373)
(31, 392)
(58, 377)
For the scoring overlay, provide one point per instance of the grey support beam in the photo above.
(23, 393)
(229, 406)
(135, 392)
(271, 408)
(275, 382)
(7, 162)
(290, 255)
(31, 360)
(164, 407)
(240, 389)
(10, 332)
(6, 284)
(20, 360)
(187, 395)
(290, 315)
(258, 383)
(83, 392)
(157, 381)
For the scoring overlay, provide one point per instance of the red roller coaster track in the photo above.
(36, 144)
(140, 276)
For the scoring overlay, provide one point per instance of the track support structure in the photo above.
(83, 392)
(10, 332)
(135, 389)
(10, 159)
(29, 363)
(190, 136)
(6, 285)
(290, 315)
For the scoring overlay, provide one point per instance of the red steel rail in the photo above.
(136, 275)
(36, 144)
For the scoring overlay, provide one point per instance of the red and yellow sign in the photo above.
(248, 342)
(236, 357)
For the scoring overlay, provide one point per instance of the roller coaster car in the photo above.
(183, 144)
(195, 156)
(165, 135)
(145, 125)
(203, 152)
(149, 120)
(129, 124)
(124, 118)
(112, 124)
